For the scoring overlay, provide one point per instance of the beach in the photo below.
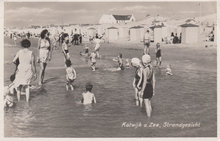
(184, 105)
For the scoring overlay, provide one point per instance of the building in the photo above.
(136, 33)
(112, 34)
(190, 33)
(114, 19)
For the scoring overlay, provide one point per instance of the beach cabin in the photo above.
(190, 33)
(112, 33)
(158, 33)
(124, 33)
(136, 33)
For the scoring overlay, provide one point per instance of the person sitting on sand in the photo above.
(88, 97)
(70, 75)
(138, 80)
(168, 70)
(148, 87)
(92, 58)
(158, 55)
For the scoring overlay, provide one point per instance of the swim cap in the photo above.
(135, 62)
(146, 59)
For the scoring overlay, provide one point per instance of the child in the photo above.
(86, 51)
(93, 60)
(8, 96)
(168, 70)
(65, 46)
(158, 54)
(120, 62)
(70, 75)
(127, 65)
(88, 97)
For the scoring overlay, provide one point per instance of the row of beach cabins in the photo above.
(130, 32)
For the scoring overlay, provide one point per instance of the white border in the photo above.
(101, 139)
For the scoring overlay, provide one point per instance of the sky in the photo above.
(20, 14)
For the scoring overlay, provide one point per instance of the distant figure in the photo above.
(97, 41)
(28, 35)
(146, 42)
(127, 65)
(93, 60)
(15, 39)
(86, 51)
(175, 39)
(158, 55)
(45, 54)
(148, 87)
(88, 97)
(168, 70)
(180, 39)
(26, 69)
(171, 37)
(70, 75)
(80, 38)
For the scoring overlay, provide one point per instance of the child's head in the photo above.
(68, 63)
(25, 43)
(89, 87)
(65, 37)
(120, 55)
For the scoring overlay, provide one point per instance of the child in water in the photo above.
(70, 75)
(93, 60)
(120, 62)
(127, 65)
(168, 70)
(88, 97)
(8, 96)
(86, 51)
(65, 46)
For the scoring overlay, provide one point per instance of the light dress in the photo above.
(44, 50)
(24, 73)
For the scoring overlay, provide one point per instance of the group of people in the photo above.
(25, 73)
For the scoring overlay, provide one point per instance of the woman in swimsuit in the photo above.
(138, 79)
(44, 47)
(147, 90)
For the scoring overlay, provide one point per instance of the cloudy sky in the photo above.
(42, 13)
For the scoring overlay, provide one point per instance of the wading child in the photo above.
(127, 65)
(93, 60)
(70, 75)
(168, 70)
(158, 55)
(88, 97)
(86, 51)
(120, 62)
(8, 96)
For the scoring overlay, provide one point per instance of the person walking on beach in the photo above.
(148, 87)
(138, 80)
(44, 47)
(146, 42)
(26, 69)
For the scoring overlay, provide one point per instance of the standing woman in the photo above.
(26, 69)
(148, 88)
(147, 42)
(44, 53)
(138, 80)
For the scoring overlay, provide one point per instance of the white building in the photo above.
(113, 19)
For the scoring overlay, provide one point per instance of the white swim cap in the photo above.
(135, 62)
(146, 59)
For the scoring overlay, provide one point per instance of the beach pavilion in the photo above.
(136, 33)
(190, 33)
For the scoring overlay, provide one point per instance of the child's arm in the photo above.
(141, 78)
(94, 100)
(15, 58)
(38, 44)
(154, 83)
(134, 83)
(74, 73)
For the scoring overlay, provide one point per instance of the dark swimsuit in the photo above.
(66, 51)
(158, 54)
(148, 91)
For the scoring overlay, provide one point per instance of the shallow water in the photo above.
(190, 95)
